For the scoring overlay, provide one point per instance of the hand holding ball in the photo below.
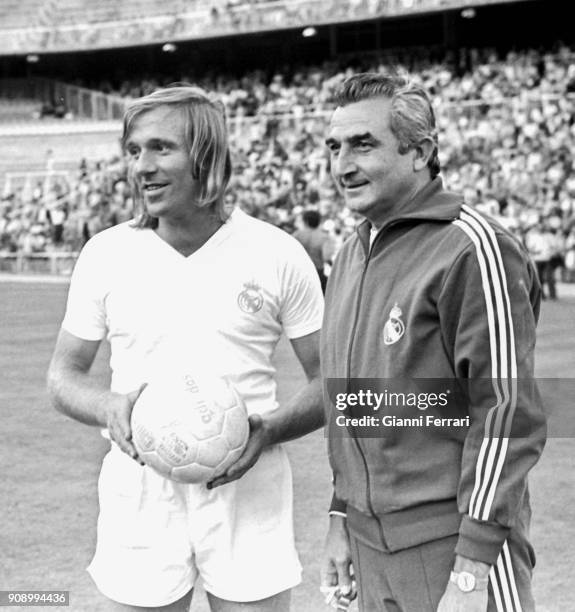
(190, 428)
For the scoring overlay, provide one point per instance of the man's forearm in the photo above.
(301, 415)
(79, 396)
(296, 418)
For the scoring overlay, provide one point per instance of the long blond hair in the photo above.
(206, 137)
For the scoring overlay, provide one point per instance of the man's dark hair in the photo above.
(311, 218)
(412, 119)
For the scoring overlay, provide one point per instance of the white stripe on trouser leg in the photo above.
(496, 592)
(511, 574)
(505, 590)
(502, 579)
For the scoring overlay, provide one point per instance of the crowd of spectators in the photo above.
(88, 26)
(63, 210)
(507, 141)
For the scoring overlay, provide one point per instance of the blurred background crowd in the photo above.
(506, 133)
(60, 25)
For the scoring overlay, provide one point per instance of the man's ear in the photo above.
(423, 152)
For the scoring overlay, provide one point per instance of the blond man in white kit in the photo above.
(189, 282)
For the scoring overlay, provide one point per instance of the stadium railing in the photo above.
(25, 181)
(80, 102)
(52, 264)
(86, 103)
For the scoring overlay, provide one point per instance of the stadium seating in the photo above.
(20, 13)
(85, 11)
(32, 26)
(507, 142)
(23, 14)
(18, 110)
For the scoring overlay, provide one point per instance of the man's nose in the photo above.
(343, 163)
(145, 163)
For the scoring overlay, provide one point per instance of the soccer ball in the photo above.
(189, 427)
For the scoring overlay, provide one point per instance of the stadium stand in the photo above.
(16, 14)
(83, 11)
(506, 121)
(507, 142)
(81, 24)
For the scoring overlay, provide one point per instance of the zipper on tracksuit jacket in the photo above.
(351, 344)
(348, 377)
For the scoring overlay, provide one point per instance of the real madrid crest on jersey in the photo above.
(251, 299)
(394, 327)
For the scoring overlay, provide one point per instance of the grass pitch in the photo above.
(50, 466)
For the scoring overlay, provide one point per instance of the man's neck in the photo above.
(188, 235)
(399, 207)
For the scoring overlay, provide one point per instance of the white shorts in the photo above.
(156, 537)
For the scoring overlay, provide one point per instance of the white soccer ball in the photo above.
(189, 427)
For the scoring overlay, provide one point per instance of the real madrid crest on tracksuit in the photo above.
(394, 327)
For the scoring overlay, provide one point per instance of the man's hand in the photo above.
(455, 600)
(302, 414)
(118, 410)
(336, 567)
(259, 439)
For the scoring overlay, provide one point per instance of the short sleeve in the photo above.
(85, 314)
(301, 308)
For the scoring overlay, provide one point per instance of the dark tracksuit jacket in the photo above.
(468, 299)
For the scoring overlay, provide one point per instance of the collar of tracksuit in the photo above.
(432, 203)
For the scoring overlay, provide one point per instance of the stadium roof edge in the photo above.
(61, 127)
(183, 37)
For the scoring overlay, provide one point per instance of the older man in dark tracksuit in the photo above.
(430, 518)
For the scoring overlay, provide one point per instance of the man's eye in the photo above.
(132, 152)
(364, 146)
